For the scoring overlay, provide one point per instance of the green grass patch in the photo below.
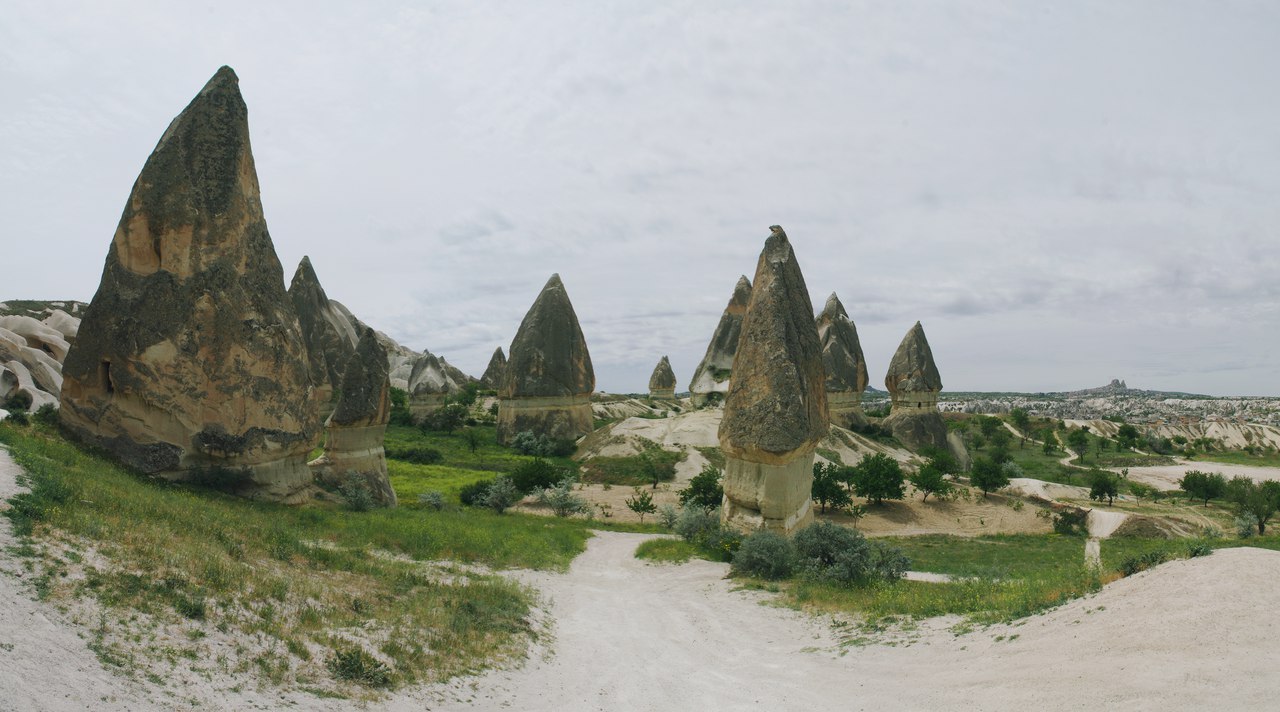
(633, 470)
(1265, 458)
(666, 551)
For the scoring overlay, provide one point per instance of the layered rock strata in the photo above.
(711, 378)
(549, 379)
(190, 355)
(357, 428)
(845, 366)
(776, 409)
(662, 383)
(914, 384)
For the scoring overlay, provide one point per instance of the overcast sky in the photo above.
(1063, 193)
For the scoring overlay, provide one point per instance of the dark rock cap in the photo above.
(777, 401)
(912, 368)
(841, 351)
(548, 356)
(327, 348)
(663, 378)
(363, 398)
(492, 377)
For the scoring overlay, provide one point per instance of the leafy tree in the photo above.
(704, 491)
(1020, 418)
(1257, 499)
(978, 441)
(500, 495)
(1102, 485)
(1078, 441)
(829, 487)
(1203, 485)
(536, 474)
(987, 475)
(1047, 441)
(465, 397)
(989, 425)
(930, 479)
(1000, 439)
(878, 477)
(1140, 490)
(1127, 435)
(400, 413)
(445, 419)
(473, 441)
(641, 502)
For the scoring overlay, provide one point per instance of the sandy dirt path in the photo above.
(45, 665)
(1195, 634)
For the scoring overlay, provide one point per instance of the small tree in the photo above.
(828, 487)
(1102, 485)
(930, 479)
(1020, 419)
(562, 501)
(1047, 440)
(1258, 500)
(1203, 485)
(1078, 441)
(1127, 436)
(641, 502)
(473, 440)
(1000, 439)
(501, 495)
(878, 477)
(704, 490)
(989, 425)
(987, 475)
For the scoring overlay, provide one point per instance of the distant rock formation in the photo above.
(1115, 387)
(330, 333)
(776, 410)
(358, 425)
(190, 355)
(549, 379)
(662, 383)
(845, 366)
(492, 377)
(431, 381)
(34, 340)
(914, 384)
(711, 378)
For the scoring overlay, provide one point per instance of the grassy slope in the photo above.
(1240, 457)
(460, 466)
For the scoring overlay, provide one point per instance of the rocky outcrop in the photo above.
(431, 381)
(711, 378)
(914, 384)
(662, 383)
(190, 355)
(329, 332)
(34, 340)
(845, 366)
(549, 379)
(357, 428)
(492, 377)
(776, 410)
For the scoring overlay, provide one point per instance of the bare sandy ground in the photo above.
(1166, 477)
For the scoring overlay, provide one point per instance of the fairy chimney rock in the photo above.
(914, 384)
(662, 384)
(357, 428)
(492, 377)
(191, 355)
(776, 408)
(548, 381)
(711, 378)
(845, 366)
(329, 334)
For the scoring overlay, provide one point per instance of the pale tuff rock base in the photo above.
(844, 408)
(556, 417)
(772, 497)
(358, 450)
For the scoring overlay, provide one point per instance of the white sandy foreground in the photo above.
(627, 635)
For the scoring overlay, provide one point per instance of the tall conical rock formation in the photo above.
(711, 377)
(914, 384)
(776, 410)
(662, 383)
(191, 355)
(845, 366)
(330, 333)
(492, 377)
(549, 379)
(357, 428)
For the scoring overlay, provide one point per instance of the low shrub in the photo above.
(536, 474)
(1246, 525)
(355, 492)
(541, 445)
(1142, 562)
(667, 516)
(1070, 522)
(18, 417)
(828, 552)
(765, 554)
(46, 414)
(562, 501)
(417, 454)
(501, 495)
(472, 495)
(432, 500)
(18, 402)
(355, 665)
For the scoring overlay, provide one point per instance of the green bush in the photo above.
(473, 495)
(667, 516)
(878, 477)
(18, 417)
(46, 414)
(832, 553)
(18, 402)
(355, 665)
(693, 523)
(704, 490)
(417, 454)
(1071, 522)
(987, 475)
(400, 413)
(355, 492)
(562, 501)
(501, 495)
(765, 554)
(1143, 562)
(528, 443)
(536, 474)
(432, 500)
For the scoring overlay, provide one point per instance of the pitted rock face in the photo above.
(709, 376)
(492, 377)
(364, 397)
(663, 378)
(777, 401)
(330, 335)
(841, 351)
(191, 354)
(912, 369)
(548, 356)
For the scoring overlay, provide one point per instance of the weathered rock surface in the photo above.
(34, 340)
(776, 409)
(330, 334)
(357, 428)
(914, 384)
(190, 355)
(492, 377)
(711, 377)
(431, 380)
(662, 383)
(845, 366)
(549, 379)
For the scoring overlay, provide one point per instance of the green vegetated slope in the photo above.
(315, 583)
